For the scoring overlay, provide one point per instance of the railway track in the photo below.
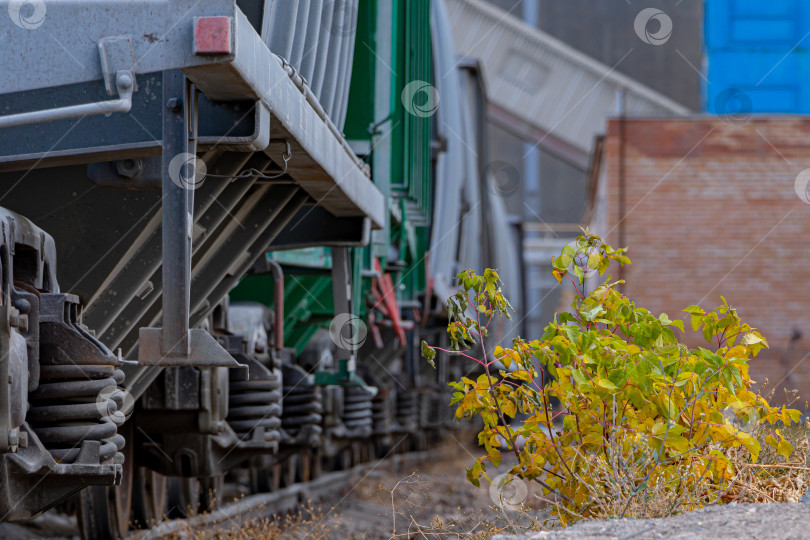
(253, 507)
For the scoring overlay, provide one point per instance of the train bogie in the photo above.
(195, 152)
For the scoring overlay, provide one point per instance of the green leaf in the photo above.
(429, 353)
(578, 376)
(605, 383)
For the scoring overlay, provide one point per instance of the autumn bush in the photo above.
(644, 425)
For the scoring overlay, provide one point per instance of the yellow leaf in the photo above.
(784, 449)
(509, 409)
(678, 442)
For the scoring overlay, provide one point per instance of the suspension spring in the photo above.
(302, 403)
(256, 404)
(408, 408)
(430, 408)
(76, 400)
(383, 413)
(357, 410)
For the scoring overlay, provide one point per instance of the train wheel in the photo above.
(311, 465)
(183, 496)
(345, 459)
(211, 490)
(306, 467)
(290, 471)
(104, 512)
(368, 452)
(265, 480)
(148, 497)
(317, 465)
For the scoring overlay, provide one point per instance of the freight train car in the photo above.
(226, 225)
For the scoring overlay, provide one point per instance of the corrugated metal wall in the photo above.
(317, 38)
(758, 55)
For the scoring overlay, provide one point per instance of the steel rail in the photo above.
(262, 505)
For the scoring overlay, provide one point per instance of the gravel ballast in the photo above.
(781, 521)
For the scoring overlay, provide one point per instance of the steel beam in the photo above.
(174, 344)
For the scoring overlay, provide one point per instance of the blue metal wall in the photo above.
(758, 56)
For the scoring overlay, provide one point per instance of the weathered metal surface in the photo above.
(177, 207)
(322, 162)
(74, 400)
(56, 420)
(62, 45)
(124, 82)
(236, 125)
(203, 350)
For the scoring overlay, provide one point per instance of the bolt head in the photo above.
(123, 80)
(128, 167)
(173, 104)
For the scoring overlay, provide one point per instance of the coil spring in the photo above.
(68, 408)
(255, 404)
(408, 408)
(430, 408)
(383, 412)
(357, 413)
(302, 403)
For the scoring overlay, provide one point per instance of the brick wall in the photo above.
(710, 209)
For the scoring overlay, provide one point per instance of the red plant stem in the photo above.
(575, 286)
(461, 353)
(491, 388)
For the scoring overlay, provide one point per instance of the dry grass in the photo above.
(474, 524)
(773, 478)
(629, 484)
(308, 522)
